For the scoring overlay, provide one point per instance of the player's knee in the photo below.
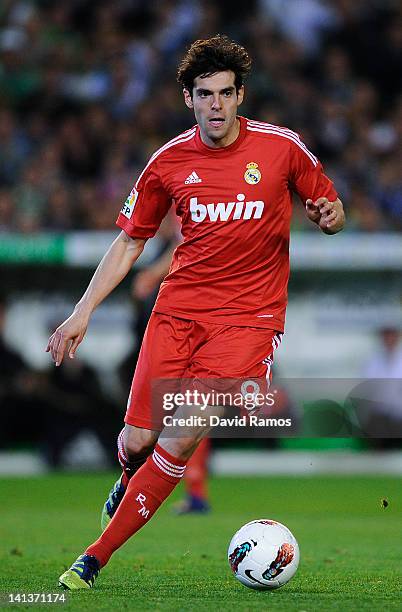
(138, 442)
(181, 448)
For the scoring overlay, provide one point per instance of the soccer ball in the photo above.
(263, 554)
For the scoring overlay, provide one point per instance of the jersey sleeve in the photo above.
(146, 205)
(307, 177)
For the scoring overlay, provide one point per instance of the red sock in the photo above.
(146, 491)
(196, 475)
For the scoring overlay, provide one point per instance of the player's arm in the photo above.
(329, 216)
(115, 265)
(314, 188)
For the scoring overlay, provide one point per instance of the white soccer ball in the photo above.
(263, 554)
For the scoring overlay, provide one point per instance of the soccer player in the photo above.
(220, 312)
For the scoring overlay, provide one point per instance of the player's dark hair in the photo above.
(216, 54)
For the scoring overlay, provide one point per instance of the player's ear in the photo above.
(240, 95)
(187, 98)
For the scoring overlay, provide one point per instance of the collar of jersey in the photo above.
(223, 150)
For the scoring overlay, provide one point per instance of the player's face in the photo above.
(214, 101)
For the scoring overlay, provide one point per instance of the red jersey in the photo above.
(235, 207)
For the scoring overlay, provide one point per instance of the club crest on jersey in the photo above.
(252, 175)
(128, 206)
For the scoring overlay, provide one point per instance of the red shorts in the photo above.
(177, 349)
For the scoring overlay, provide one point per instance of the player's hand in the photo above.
(68, 336)
(329, 216)
(313, 211)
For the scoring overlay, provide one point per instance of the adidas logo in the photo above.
(192, 178)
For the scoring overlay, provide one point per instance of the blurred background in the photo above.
(87, 93)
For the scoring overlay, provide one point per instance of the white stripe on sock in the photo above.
(172, 466)
(167, 471)
(166, 466)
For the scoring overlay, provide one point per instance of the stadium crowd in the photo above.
(88, 92)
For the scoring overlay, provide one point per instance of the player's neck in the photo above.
(227, 140)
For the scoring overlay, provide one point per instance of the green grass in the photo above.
(351, 548)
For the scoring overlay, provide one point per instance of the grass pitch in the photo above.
(351, 546)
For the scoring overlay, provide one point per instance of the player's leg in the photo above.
(151, 484)
(159, 358)
(139, 443)
(196, 481)
(163, 355)
(134, 444)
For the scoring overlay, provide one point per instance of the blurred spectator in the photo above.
(6, 211)
(390, 191)
(13, 148)
(81, 158)
(302, 21)
(364, 213)
(59, 211)
(387, 361)
(76, 403)
(30, 194)
(11, 364)
(20, 394)
(49, 409)
(87, 93)
(381, 408)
